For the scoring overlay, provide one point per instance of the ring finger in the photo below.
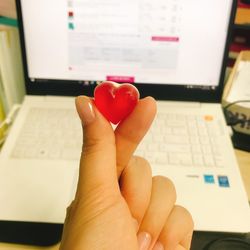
(163, 197)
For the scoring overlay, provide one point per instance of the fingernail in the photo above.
(85, 109)
(158, 246)
(144, 240)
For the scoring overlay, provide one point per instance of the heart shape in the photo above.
(116, 101)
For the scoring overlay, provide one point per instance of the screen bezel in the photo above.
(158, 91)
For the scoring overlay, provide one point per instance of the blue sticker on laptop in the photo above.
(209, 179)
(223, 181)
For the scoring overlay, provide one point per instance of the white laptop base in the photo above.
(192, 138)
(39, 186)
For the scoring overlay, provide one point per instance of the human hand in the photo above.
(118, 205)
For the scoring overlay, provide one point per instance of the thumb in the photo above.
(98, 158)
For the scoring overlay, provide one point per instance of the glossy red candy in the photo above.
(115, 101)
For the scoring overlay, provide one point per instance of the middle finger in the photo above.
(135, 185)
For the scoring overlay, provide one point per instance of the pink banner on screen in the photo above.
(165, 38)
(121, 79)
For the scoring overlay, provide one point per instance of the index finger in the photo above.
(131, 131)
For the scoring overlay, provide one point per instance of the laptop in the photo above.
(173, 50)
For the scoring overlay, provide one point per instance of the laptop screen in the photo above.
(161, 44)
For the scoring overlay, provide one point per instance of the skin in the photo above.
(118, 204)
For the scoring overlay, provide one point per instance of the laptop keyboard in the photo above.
(50, 134)
(184, 140)
(174, 139)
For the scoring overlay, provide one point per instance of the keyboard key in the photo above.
(196, 148)
(208, 160)
(55, 153)
(204, 140)
(175, 123)
(158, 138)
(153, 147)
(198, 160)
(180, 131)
(47, 132)
(151, 157)
(175, 148)
(161, 158)
(208, 118)
(194, 140)
(186, 159)
(176, 139)
(184, 140)
(206, 149)
(174, 159)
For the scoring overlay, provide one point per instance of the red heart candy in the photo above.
(115, 101)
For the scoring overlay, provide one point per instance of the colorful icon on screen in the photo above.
(71, 26)
(70, 14)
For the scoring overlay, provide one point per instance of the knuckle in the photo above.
(90, 146)
(187, 214)
(142, 162)
(95, 145)
(165, 184)
(98, 201)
